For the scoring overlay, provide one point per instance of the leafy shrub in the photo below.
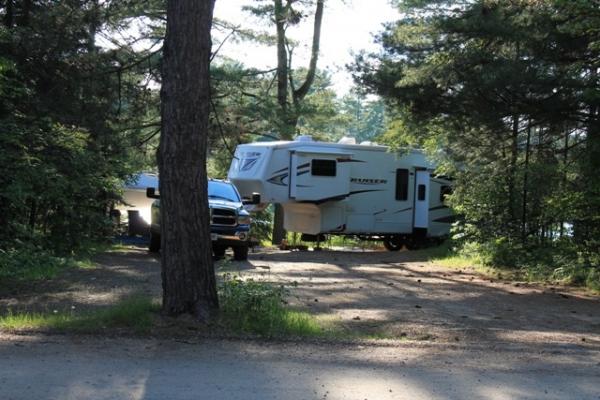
(29, 261)
(557, 261)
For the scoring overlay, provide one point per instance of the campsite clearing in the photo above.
(376, 294)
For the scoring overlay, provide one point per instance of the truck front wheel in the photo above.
(240, 253)
(154, 246)
(219, 251)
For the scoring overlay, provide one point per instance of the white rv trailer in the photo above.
(347, 189)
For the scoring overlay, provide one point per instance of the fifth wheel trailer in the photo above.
(347, 189)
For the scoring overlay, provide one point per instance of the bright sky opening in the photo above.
(348, 27)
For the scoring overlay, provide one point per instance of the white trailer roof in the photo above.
(320, 150)
(312, 146)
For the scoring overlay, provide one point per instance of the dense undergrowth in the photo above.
(27, 262)
(560, 262)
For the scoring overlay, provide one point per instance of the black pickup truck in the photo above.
(229, 221)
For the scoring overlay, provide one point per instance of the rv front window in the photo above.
(323, 167)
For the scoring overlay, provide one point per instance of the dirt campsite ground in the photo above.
(376, 293)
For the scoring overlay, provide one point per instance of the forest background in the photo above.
(503, 94)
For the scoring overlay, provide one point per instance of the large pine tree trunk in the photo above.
(187, 269)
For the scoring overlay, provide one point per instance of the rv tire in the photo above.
(414, 244)
(393, 243)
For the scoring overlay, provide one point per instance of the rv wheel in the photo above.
(413, 244)
(393, 243)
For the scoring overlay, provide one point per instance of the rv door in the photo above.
(318, 176)
(421, 209)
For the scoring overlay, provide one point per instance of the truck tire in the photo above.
(240, 253)
(219, 251)
(154, 246)
(393, 243)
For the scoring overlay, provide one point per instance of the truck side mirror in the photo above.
(255, 199)
(151, 193)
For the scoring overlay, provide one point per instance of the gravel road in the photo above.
(459, 336)
(60, 368)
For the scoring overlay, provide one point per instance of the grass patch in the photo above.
(258, 307)
(135, 313)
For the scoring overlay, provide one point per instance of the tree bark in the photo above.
(282, 99)
(189, 284)
(282, 63)
(565, 174)
(512, 168)
(9, 16)
(312, 68)
(525, 186)
(27, 5)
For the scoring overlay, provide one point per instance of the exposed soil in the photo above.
(375, 292)
(116, 275)
(401, 294)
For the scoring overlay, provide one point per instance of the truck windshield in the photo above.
(222, 190)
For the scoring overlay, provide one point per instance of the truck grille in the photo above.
(221, 216)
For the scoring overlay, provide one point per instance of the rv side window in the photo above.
(421, 195)
(323, 168)
(445, 191)
(402, 184)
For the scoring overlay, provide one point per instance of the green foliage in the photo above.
(73, 117)
(259, 307)
(504, 96)
(135, 313)
(30, 263)
(261, 224)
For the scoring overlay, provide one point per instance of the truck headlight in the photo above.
(244, 220)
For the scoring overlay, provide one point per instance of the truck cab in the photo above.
(229, 221)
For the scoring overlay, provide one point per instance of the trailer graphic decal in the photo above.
(281, 170)
(446, 220)
(248, 163)
(365, 191)
(438, 208)
(278, 179)
(348, 160)
(399, 211)
(340, 228)
(368, 181)
(341, 197)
